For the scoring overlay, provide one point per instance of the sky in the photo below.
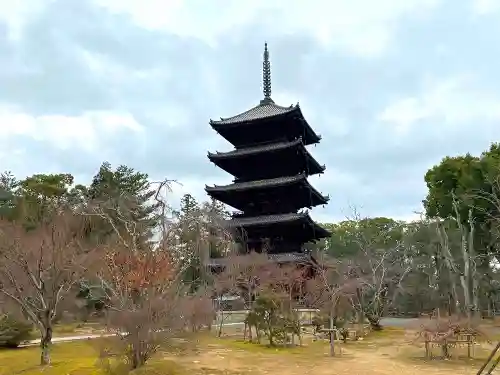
(393, 86)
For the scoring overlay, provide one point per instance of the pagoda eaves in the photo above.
(287, 158)
(263, 122)
(280, 258)
(281, 193)
(295, 227)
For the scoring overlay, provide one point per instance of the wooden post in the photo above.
(332, 342)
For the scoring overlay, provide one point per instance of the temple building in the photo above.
(270, 165)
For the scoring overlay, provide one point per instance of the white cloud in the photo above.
(361, 27)
(483, 7)
(404, 113)
(16, 14)
(454, 101)
(85, 132)
(190, 185)
(147, 61)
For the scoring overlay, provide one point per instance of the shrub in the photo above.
(445, 331)
(13, 331)
(268, 317)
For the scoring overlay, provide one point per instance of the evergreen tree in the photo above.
(125, 197)
(8, 184)
(188, 244)
(199, 236)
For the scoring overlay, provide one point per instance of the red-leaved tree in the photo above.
(146, 301)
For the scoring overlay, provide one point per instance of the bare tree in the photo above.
(224, 286)
(244, 275)
(461, 264)
(380, 274)
(140, 278)
(287, 284)
(38, 268)
(146, 301)
(445, 331)
(198, 310)
(330, 290)
(479, 232)
(379, 271)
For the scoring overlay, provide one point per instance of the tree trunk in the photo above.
(299, 331)
(250, 301)
(332, 336)
(465, 278)
(360, 323)
(451, 267)
(245, 330)
(271, 334)
(473, 277)
(374, 322)
(467, 300)
(45, 343)
(445, 349)
(361, 312)
(137, 360)
(221, 323)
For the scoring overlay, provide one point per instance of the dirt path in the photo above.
(222, 360)
(90, 336)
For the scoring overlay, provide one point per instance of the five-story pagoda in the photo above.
(270, 165)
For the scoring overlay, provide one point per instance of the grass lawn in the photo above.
(72, 358)
(388, 352)
(77, 358)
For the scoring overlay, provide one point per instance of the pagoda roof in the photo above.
(290, 257)
(281, 258)
(268, 219)
(256, 149)
(221, 192)
(245, 161)
(279, 219)
(253, 125)
(272, 182)
(264, 110)
(257, 184)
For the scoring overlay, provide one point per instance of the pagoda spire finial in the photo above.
(266, 77)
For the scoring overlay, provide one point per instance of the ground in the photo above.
(74, 329)
(387, 353)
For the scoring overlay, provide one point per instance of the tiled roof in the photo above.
(257, 184)
(275, 257)
(269, 183)
(258, 112)
(289, 257)
(257, 149)
(267, 219)
(264, 220)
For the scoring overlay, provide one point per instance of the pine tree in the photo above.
(125, 195)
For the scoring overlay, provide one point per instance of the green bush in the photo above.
(267, 316)
(13, 332)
